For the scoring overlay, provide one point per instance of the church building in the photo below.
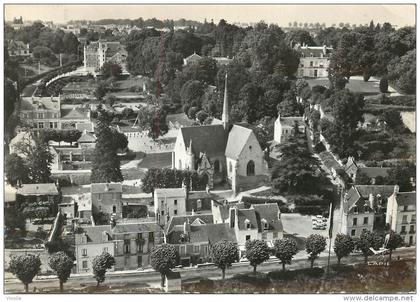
(221, 152)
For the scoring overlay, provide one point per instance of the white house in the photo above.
(401, 215)
(169, 203)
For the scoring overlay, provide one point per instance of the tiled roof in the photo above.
(106, 188)
(38, 189)
(204, 233)
(383, 190)
(238, 136)
(406, 198)
(75, 113)
(137, 227)
(315, 51)
(209, 139)
(171, 192)
(87, 138)
(179, 118)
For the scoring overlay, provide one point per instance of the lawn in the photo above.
(356, 84)
(400, 277)
(156, 160)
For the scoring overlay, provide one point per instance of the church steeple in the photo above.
(225, 114)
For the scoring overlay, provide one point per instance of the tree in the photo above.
(284, 250)
(100, 264)
(343, 246)
(70, 43)
(402, 72)
(25, 268)
(257, 252)
(348, 109)
(223, 254)
(62, 265)
(105, 162)
(315, 244)
(297, 169)
(153, 120)
(100, 90)
(16, 170)
(110, 69)
(403, 176)
(38, 159)
(362, 178)
(366, 241)
(394, 241)
(120, 140)
(201, 116)
(288, 106)
(383, 85)
(163, 259)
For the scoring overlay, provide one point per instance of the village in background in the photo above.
(149, 156)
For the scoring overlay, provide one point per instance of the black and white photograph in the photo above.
(198, 148)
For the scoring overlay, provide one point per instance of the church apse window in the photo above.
(250, 168)
(216, 166)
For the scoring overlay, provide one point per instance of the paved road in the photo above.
(152, 279)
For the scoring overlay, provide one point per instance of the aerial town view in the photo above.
(214, 149)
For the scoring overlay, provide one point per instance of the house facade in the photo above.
(96, 54)
(18, 49)
(106, 198)
(284, 127)
(401, 215)
(314, 61)
(169, 203)
(41, 112)
(364, 208)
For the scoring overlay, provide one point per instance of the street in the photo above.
(152, 279)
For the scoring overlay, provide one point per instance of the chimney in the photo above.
(192, 212)
(113, 223)
(187, 227)
(371, 200)
(396, 189)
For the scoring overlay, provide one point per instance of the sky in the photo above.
(399, 15)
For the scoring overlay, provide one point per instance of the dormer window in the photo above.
(356, 210)
(247, 224)
(366, 209)
(264, 224)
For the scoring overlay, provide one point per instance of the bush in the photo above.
(383, 85)
(319, 147)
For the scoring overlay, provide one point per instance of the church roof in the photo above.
(209, 139)
(238, 136)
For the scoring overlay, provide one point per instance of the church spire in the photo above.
(225, 114)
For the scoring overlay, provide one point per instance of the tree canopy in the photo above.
(223, 254)
(25, 268)
(163, 259)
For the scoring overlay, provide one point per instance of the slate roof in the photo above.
(359, 192)
(37, 189)
(75, 113)
(171, 192)
(204, 233)
(289, 122)
(238, 136)
(194, 56)
(85, 126)
(269, 212)
(94, 233)
(137, 227)
(406, 198)
(244, 214)
(209, 139)
(102, 188)
(40, 103)
(179, 220)
(316, 51)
